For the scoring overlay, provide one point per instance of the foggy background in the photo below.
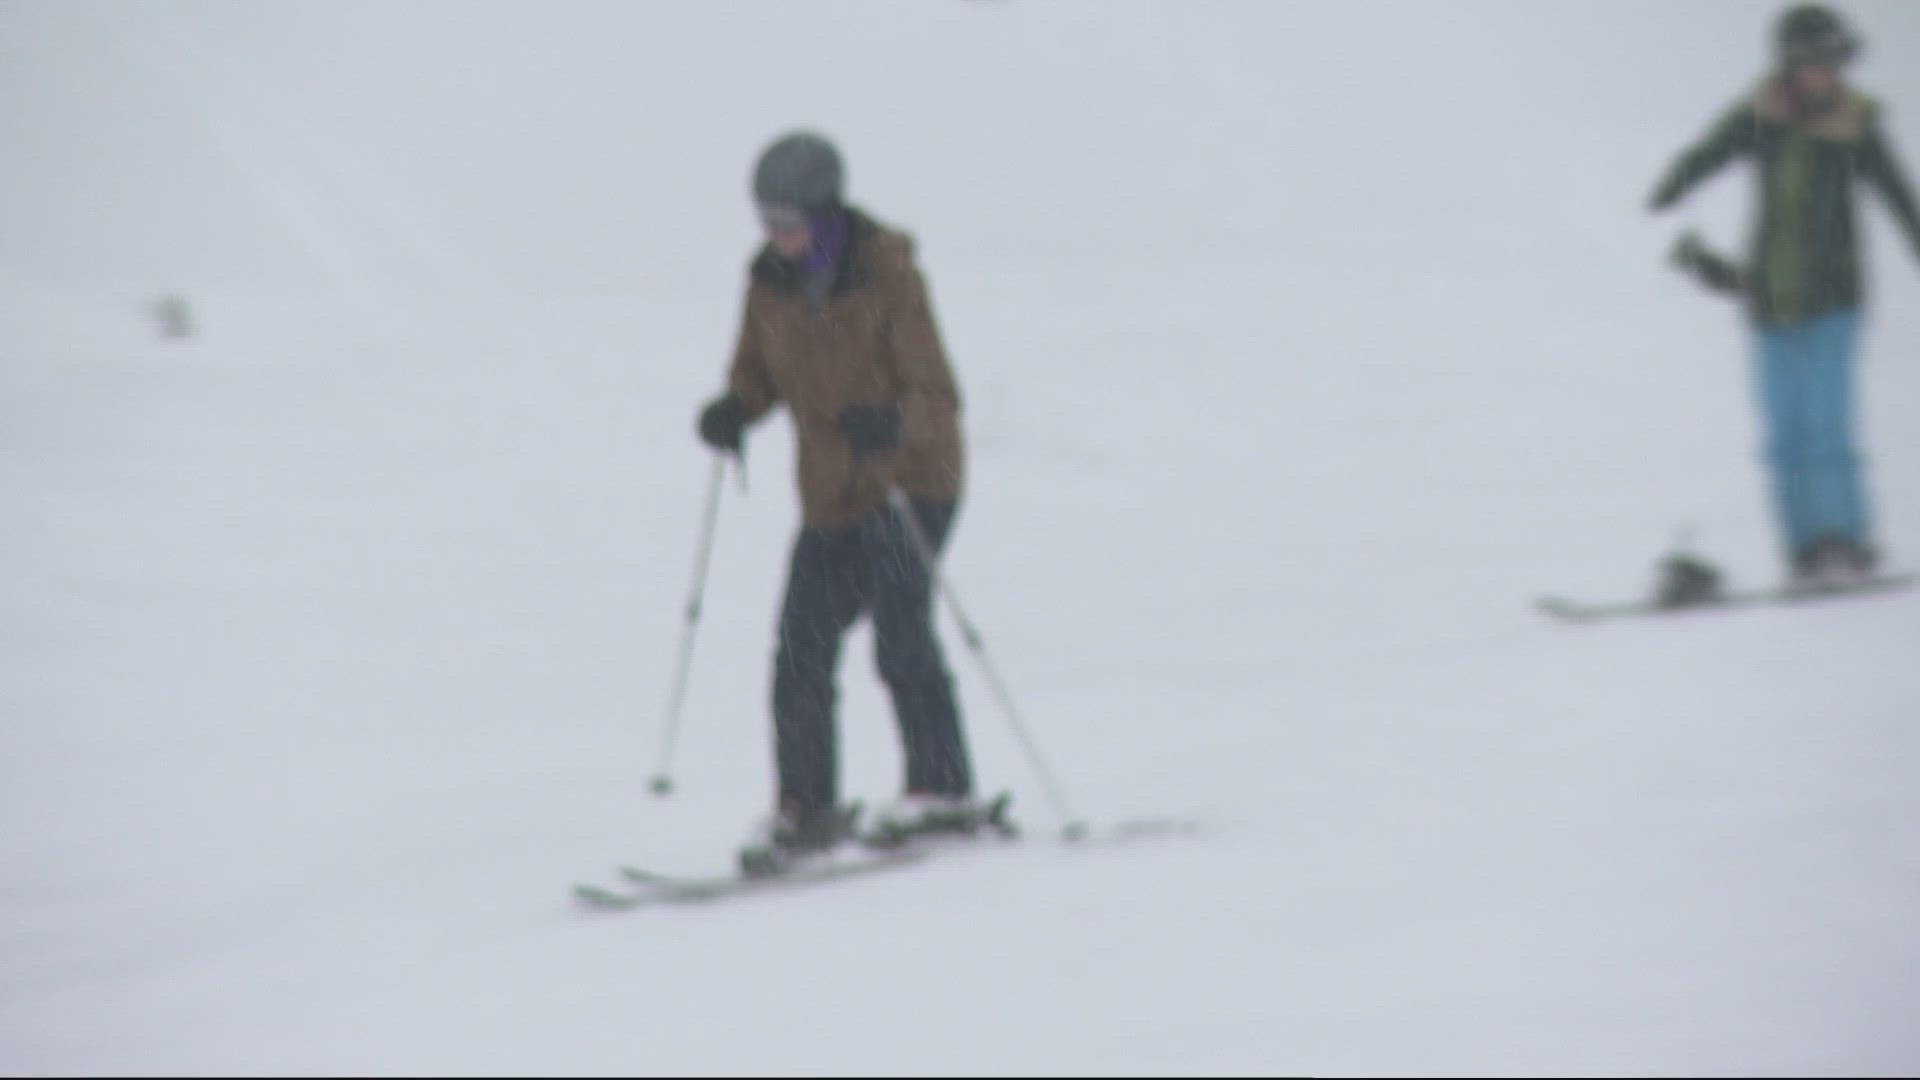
(1303, 347)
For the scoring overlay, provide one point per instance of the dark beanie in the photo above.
(1813, 34)
(800, 169)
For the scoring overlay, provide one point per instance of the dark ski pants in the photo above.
(834, 576)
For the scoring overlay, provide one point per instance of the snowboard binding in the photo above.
(1688, 581)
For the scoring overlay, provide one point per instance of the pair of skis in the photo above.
(641, 887)
(867, 856)
(645, 887)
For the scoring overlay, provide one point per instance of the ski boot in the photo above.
(793, 835)
(918, 815)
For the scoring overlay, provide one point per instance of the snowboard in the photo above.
(1576, 611)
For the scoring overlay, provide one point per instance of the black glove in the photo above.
(872, 429)
(723, 423)
(1714, 270)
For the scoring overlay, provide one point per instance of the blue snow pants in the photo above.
(1805, 385)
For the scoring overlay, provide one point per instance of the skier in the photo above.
(837, 327)
(1811, 136)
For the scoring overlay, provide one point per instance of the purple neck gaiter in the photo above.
(821, 265)
(829, 228)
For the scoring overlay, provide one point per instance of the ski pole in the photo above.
(662, 780)
(1075, 829)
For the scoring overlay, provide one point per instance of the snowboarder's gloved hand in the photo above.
(723, 423)
(872, 429)
(1714, 270)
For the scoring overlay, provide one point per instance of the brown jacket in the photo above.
(873, 341)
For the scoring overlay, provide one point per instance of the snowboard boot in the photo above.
(1831, 561)
(793, 834)
(1808, 569)
(920, 815)
(1859, 560)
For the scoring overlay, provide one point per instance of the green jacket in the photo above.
(1803, 260)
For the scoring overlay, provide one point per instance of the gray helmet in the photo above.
(1813, 34)
(799, 169)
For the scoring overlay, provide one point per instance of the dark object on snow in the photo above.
(175, 319)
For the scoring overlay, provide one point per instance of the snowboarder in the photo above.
(837, 327)
(1811, 136)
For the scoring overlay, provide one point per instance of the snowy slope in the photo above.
(1304, 346)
